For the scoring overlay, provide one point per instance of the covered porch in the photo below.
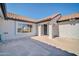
(49, 27)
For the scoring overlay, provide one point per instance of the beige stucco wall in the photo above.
(10, 27)
(55, 26)
(69, 29)
(1, 26)
(64, 29)
(1, 19)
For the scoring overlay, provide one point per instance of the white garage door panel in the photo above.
(69, 30)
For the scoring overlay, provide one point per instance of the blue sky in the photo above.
(40, 10)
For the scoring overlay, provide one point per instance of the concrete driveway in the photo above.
(29, 47)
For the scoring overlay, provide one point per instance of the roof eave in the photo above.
(3, 7)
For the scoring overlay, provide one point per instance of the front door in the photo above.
(45, 29)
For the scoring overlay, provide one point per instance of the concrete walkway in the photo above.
(67, 44)
(29, 47)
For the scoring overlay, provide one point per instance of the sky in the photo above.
(41, 10)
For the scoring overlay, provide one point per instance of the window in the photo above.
(24, 28)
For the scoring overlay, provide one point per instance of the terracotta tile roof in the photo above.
(49, 17)
(19, 17)
(71, 16)
(24, 18)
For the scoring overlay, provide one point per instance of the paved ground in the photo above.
(67, 44)
(29, 47)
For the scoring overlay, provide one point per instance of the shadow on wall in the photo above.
(71, 22)
(69, 28)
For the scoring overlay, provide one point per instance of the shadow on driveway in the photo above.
(29, 47)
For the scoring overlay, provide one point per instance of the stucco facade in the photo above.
(69, 29)
(47, 26)
(9, 30)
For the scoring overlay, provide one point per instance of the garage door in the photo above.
(69, 30)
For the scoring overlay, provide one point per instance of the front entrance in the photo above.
(45, 29)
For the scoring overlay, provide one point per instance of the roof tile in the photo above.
(76, 15)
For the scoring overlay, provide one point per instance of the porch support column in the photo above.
(39, 30)
(51, 33)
